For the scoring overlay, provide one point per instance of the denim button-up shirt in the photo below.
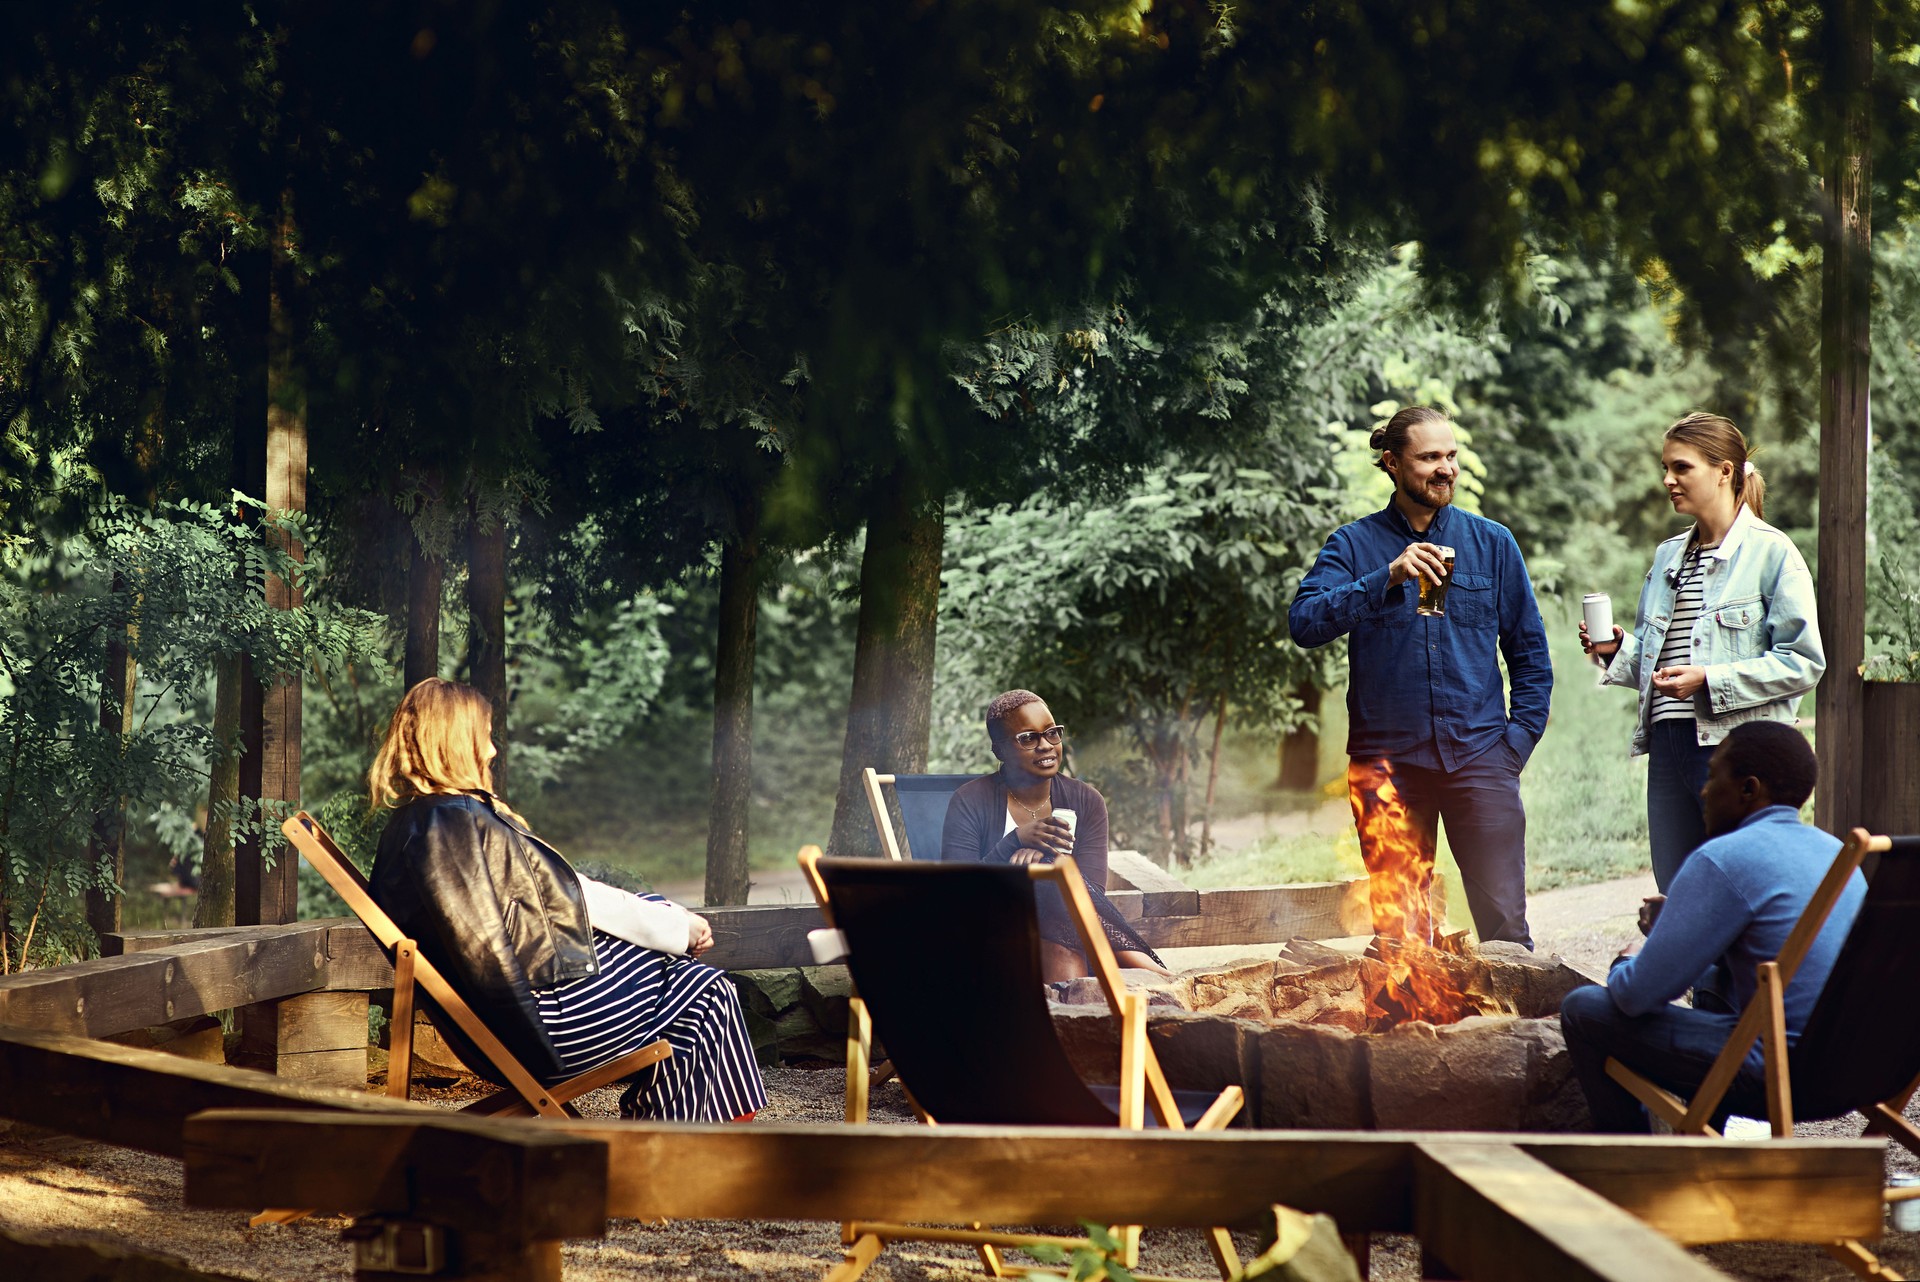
(1757, 635)
(1427, 691)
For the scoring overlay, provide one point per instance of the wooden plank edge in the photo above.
(1493, 1213)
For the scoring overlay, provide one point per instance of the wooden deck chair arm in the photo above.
(809, 858)
(612, 1071)
(877, 801)
(1858, 844)
(1663, 1104)
(1106, 969)
(1225, 1107)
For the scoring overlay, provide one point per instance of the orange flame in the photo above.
(1412, 981)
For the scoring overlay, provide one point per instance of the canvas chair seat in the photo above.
(945, 962)
(922, 800)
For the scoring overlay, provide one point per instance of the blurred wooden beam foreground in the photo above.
(1493, 1208)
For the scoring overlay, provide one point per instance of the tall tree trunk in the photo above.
(890, 712)
(1213, 776)
(107, 849)
(215, 906)
(487, 621)
(270, 709)
(1846, 286)
(1300, 749)
(425, 582)
(727, 819)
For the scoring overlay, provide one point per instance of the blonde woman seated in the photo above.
(572, 973)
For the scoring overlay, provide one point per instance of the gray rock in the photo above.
(1312, 1077)
(827, 991)
(1469, 1076)
(769, 992)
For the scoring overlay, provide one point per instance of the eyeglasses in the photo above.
(1029, 739)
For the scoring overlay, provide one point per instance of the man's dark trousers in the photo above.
(1672, 1047)
(1479, 802)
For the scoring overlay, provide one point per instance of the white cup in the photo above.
(1068, 817)
(1598, 608)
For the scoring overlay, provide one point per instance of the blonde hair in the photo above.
(1719, 441)
(436, 743)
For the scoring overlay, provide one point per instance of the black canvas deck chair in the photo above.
(1860, 1050)
(522, 1093)
(923, 810)
(945, 961)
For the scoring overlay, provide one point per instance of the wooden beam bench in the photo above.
(1486, 1207)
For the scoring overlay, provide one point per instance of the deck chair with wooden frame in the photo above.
(923, 810)
(1851, 1056)
(523, 1093)
(945, 962)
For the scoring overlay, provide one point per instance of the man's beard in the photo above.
(1424, 498)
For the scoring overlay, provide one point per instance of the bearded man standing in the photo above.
(1430, 726)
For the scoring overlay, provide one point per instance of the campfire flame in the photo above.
(1411, 980)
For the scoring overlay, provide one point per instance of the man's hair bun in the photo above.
(1378, 441)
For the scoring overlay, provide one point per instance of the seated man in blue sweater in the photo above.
(1734, 900)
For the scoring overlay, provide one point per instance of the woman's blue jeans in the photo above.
(1676, 771)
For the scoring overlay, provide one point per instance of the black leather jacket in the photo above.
(494, 907)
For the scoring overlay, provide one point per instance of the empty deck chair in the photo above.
(923, 810)
(945, 960)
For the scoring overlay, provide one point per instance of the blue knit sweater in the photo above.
(1737, 897)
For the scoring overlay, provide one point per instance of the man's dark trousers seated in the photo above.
(1735, 898)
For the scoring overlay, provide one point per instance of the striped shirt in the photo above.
(1677, 648)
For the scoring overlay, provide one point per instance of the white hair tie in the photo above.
(1749, 468)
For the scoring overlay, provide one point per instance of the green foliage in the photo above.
(1100, 1257)
(178, 587)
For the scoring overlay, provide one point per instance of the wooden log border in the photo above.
(214, 969)
(1511, 1208)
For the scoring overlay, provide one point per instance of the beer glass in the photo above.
(1433, 593)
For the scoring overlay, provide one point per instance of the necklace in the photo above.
(1032, 814)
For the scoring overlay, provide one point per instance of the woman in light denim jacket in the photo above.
(1753, 648)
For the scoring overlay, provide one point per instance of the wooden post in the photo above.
(316, 1037)
(1846, 285)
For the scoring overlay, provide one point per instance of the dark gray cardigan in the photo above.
(977, 819)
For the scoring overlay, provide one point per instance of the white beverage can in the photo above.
(1598, 609)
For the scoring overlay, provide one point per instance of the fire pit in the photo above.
(1410, 1038)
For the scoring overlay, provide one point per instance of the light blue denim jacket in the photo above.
(1757, 635)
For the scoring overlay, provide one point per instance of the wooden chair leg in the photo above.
(1884, 1120)
(1861, 1262)
(400, 1031)
(1773, 1045)
(859, 1255)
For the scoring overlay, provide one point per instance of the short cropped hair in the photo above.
(1000, 707)
(1776, 754)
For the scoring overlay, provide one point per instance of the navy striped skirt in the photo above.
(640, 996)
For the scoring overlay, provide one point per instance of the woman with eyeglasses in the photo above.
(1012, 816)
(1725, 631)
